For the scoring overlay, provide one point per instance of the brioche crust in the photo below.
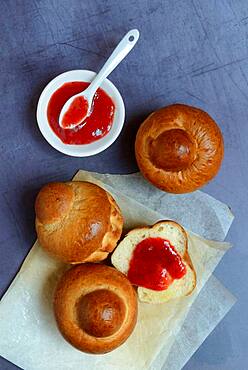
(179, 148)
(95, 307)
(77, 221)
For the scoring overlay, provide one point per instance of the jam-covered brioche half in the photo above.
(175, 275)
(95, 307)
(179, 148)
(77, 221)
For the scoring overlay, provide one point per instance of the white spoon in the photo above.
(83, 105)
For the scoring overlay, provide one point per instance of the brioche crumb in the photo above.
(177, 236)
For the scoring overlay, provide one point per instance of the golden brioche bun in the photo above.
(179, 148)
(95, 307)
(77, 221)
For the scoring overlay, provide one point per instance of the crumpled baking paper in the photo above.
(29, 336)
(197, 211)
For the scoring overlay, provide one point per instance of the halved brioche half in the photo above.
(177, 236)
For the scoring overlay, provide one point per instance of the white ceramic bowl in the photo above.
(84, 150)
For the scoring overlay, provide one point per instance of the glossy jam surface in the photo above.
(76, 112)
(155, 264)
(97, 125)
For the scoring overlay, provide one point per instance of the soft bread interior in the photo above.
(171, 231)
(178, 288)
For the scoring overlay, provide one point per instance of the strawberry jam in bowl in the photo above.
(97, 132)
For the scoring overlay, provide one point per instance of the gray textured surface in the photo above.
(193, 52)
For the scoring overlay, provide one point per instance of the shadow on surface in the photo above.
(127, 140)
(27, 200)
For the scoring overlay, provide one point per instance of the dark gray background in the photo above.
(192, 52)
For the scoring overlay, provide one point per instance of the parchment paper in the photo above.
(29, 336)
(197, 211)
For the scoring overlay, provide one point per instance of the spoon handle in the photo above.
(119, 53)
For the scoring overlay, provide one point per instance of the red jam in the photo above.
(155, 264)
(76, 112)
(97, 125)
